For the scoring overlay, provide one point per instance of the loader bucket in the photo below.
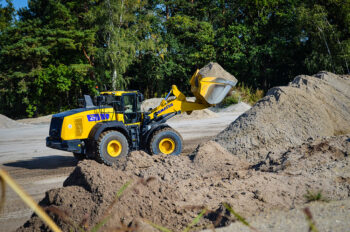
(211, 90)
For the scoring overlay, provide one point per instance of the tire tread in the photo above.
(160, 131)
(99, 157)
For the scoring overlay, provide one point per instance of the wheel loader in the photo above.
(115, 125)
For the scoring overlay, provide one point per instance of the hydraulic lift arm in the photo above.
(176, 106)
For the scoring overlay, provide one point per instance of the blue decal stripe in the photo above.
(97, 117)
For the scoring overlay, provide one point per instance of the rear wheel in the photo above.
(166, 141)
(111, 146)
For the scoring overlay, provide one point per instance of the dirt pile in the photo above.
(6, 122)
(310, 106)
(39, 120)
(239, 107)
(171, 190)
(150, 103)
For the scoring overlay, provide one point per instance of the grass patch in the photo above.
(243, 93)
(230, 100)
(314, 196)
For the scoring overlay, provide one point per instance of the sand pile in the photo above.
(6, 122)
(197, 114)
(171, 190)
(38, 120)
(239, 107)
(150, 103)
(279, 157)
(310, 106)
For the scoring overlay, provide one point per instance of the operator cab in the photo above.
(127, 103)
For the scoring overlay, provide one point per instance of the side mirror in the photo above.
(88, 102)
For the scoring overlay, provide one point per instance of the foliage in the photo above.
(122, 26)
(52, 52)
(248, 94)
(314, 196)
(243, 93)
(6, 14)
(44, 69)
(232, 99)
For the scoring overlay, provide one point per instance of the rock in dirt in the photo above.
(172, 190)
(6, 122)
(215, 70)
(310, 106)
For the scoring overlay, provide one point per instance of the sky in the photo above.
(17, 3)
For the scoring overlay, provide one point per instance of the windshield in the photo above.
(130, 103)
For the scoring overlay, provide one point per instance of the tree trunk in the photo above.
(114, 79)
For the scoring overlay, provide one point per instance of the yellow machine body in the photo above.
(79, 125)
(81, 130)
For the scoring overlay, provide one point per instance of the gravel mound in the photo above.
(38, 120)
(171, 190)
(310, 106)
(240, 107)
(150, 103)
(6, 122)
(294, 141)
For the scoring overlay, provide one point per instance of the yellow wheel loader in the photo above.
(115, 125)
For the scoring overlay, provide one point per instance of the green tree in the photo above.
(325, 29)
(6, 14)
(122, 32)
(54, 51)
(49, 44)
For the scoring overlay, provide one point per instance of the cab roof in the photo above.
(119, 92)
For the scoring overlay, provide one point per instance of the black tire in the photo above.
(168, 136)
(111, 142)
(79, 156)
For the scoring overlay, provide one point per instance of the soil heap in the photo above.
(39, 120)
(239, 107)
(279, 156)
(6, 122)
(310, 106)
(171, 190)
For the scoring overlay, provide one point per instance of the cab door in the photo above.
(131, 108)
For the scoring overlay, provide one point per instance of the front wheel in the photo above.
(166, 141)
(111, 146)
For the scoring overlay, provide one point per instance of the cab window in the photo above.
(113, 101)
(130, 108)
(129, 103)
